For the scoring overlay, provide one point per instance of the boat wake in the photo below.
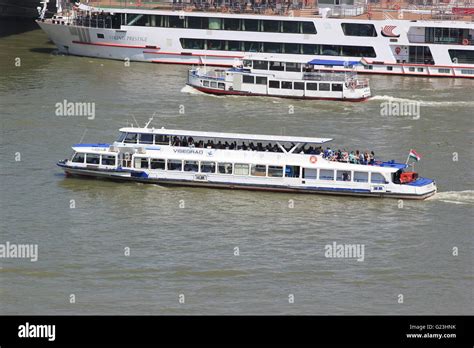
(454, 197)
(422, 102)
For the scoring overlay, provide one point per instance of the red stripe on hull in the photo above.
(105, 44)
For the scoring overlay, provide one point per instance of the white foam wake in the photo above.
(455, 197)
(422, 102)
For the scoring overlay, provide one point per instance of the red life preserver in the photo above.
(396, 7)
(313, 159)
(465, 42)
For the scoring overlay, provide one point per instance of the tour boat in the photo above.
(389, 41)
(242, 161)
(274, 78)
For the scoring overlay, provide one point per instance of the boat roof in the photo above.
(234, 136)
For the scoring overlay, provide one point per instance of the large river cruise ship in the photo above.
(273, 78)
(245, 161)
(393, 41)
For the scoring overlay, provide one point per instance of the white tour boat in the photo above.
(433, 42)
(244, 161)
(290, 79)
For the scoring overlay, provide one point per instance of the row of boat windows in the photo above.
(262, 170)
(278, 47)
(234, 168)
(210, 23)
(92, 158)
(310, 86)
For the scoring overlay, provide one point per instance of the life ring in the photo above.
(313, 159)
(465, 42)
(396, 7)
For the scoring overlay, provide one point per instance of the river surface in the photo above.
(182, 240)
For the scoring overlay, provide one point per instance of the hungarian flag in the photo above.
(414, 155)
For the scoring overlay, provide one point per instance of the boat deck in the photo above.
(381, 10)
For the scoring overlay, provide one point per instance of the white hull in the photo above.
(163, 45)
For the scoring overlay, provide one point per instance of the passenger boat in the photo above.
(242, 161)
(274, 78)
(433, 42)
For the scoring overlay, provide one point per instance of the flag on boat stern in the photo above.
(414, 155)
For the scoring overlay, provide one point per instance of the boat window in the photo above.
(296, 67)
(108, 160)
(310, 49)
(258, 170)
(286, 84)
(260, 80)
(231, 24)
(250, 46)
(343, 175)
(326, 174)
(361, 177)
(278, 66)
(146, 138)
(311, 86)
(270, 26)
(221, 85)
(215, 44)
(292, 171)
(175, 165)
(208, 167)
(324, 87)
(234, 46)
(156, 163)
(272, 47)
(92, 158)
(198, 23)
(336, 87)
(196, 44)
(291, 26)
(131, 138)
(309, 28)
(420, 55)
(275, 171)
(247, 64)
(310, 173)
(121, 137)
(191, 166)
(241, 169)
(260, 64)
(161, 139)
(213, 84)
(78, 157)
(292, 48)
(355, 29)
(467, 71)
(377, 178)
(215, 23)
(248, 79)
(298, 85)
(205, 83)
(274, 84)
(176, 21)
(224, 168)
(141, 162)
(444, 71)
(250, 24)
(462, 56)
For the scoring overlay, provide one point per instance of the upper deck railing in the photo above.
(262, 7)
(382, 10)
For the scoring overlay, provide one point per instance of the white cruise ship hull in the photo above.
(390, 55)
